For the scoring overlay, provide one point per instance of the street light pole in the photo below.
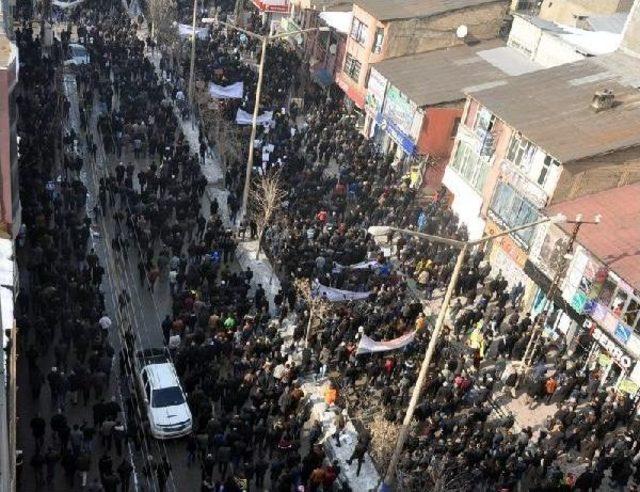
(254, 129)
(193, 51)
(264, 41)
(390, 476)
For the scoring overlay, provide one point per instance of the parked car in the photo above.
(165, 402)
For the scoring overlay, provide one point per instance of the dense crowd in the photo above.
(242, 377)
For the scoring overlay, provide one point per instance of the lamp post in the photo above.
(264, 41)
(465, 246)
(193, 51)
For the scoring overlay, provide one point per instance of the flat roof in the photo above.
(384, 10)
(616, 240)
(552, 107)
(444, 76)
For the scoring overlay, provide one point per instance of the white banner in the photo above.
(244, 118)
(335, 295)
(368, 345)
(185, 31)
(66, 5)
(233, 91)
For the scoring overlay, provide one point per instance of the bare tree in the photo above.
(266, 197)
(162, 14)
(317, 305)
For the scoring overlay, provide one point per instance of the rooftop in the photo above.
(588, 42)
(385, 10)
(552, 107)
(442, 76)
(616, 240)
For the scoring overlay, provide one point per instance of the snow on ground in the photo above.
(369, 479)
(262, 270)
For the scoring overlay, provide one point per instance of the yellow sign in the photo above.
(628, 386)
(604, 360)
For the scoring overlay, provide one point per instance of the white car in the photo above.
(78, 55)
(167, 409)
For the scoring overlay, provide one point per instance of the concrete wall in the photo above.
(540, 46)
(563, 11)
(410, 36)
(598, 173)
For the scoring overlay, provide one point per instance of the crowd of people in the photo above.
(242, 376)
(62, 315)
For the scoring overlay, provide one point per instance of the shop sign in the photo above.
(523, 185)
(399, 109)
(375, 92)
(604, 360)
(610, 346)
(578, 301)
(279, 6)
(356, 96)
(628, 386)
(396, 134)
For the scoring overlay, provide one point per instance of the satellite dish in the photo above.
(333, 49)
(462, 31)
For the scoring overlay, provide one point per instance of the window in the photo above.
(352, 67)
(359, 31)
(544, 172)
(520, 151)
(377, 42)
(631, 313)
(454, 129)
(470, 166)
(167, 397)
(514, 210)
(484, 122)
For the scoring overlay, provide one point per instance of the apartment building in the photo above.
(382, 29)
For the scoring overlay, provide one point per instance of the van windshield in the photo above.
(167, 397)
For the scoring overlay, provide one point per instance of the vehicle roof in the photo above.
(162, 375)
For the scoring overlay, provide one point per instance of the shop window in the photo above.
(359, 31)
(618, 303)
(520, 151)
(352, 67)
(470, 166)
(377, 43)
(546, 166)
(606, 295)
(514, 210)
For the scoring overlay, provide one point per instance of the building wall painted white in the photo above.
(542, 47)
(467, 203)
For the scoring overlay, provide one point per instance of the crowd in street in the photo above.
(64, 329)
(244, 388)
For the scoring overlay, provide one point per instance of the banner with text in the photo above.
(244, 118)
(336, 295)
(233, 91)
(369, 346)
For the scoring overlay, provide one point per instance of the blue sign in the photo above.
(404, 140)
(622, 333)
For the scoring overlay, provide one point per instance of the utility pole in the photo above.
(536, 334)
(390, 476)
(193, 52)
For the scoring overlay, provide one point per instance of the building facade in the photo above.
(382, 30)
